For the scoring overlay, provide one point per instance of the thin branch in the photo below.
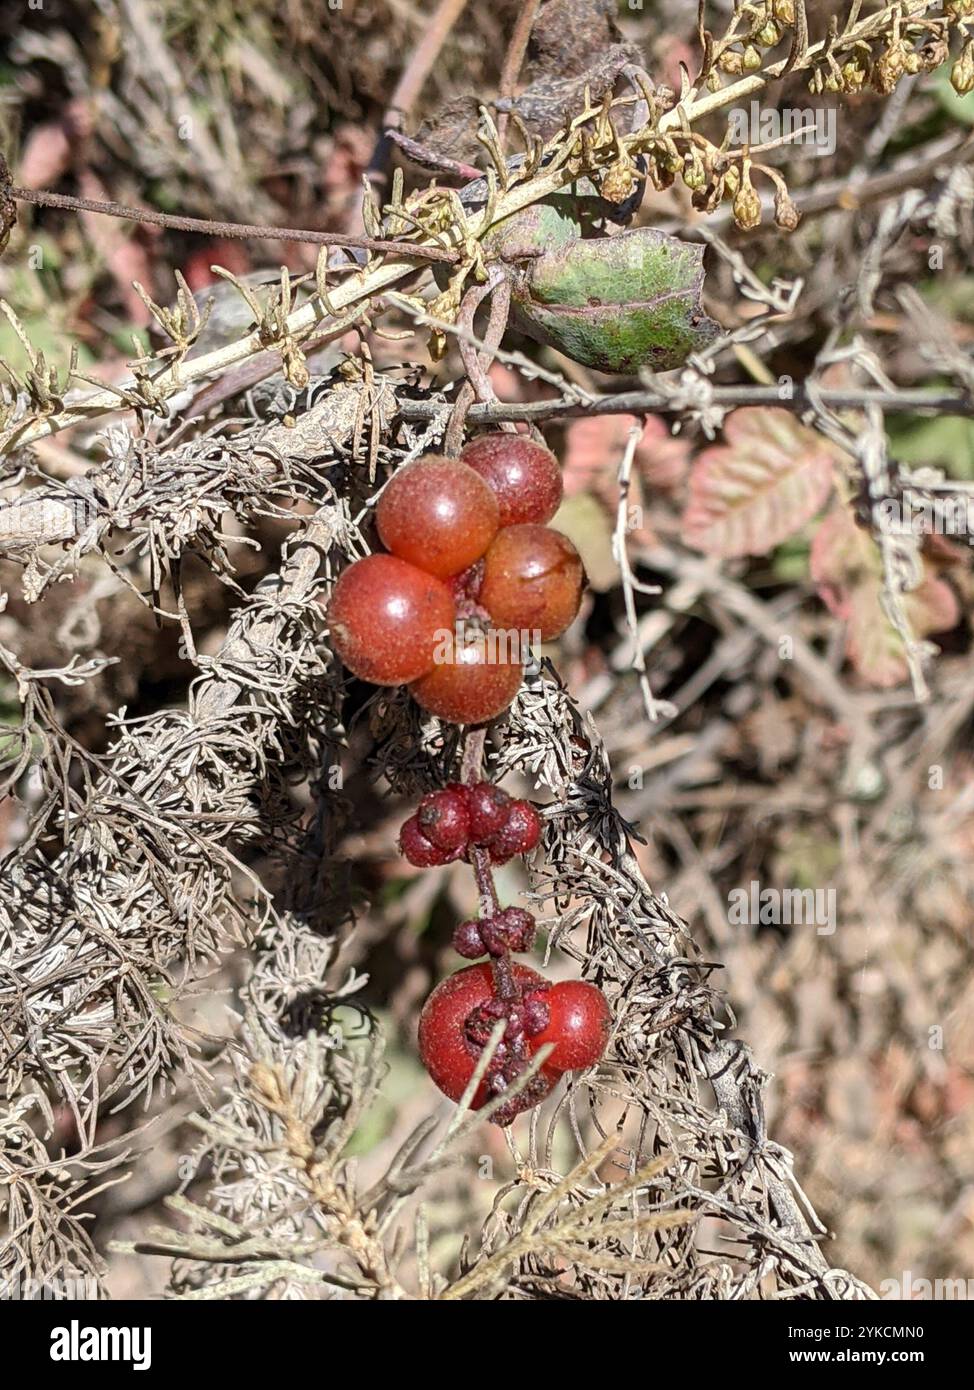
(671, 399)
(246, 230)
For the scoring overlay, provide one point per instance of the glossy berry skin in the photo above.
(438, 514)
(475, 681)
(387, 618)
(578, 1025)
(445, 1049)
(523, 475)
(421, 852)
(532, 581)
(488, 806)
(518, 835)
(444, 819)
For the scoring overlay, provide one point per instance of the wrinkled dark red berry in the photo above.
(468, 941)
(510, 930)
(488, 806)
(444, 819)
(518, 835)
(536, 1013)
(420, 850)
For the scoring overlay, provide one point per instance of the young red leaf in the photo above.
(760, 487)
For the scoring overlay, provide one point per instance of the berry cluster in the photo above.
(450, 823)
(472, 577)
(462, 1012)
(481, 822)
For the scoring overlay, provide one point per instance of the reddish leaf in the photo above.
(750, 494)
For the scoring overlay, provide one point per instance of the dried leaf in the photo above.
(586, 523)
(847, 567)
(750, 494)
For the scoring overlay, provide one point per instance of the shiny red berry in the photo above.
(438, 514)
(518, 835)
(532, 581)
(488, 806)
(420, 850)
(444, 819)
(446, 1050)
(387, 619)
(472, 681)
(523, 475)
(578, 1025)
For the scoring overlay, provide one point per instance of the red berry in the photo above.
(532, 580)
(420, 850)
(475, 680)
(578, 1025)
(443, 818)
(518, 835)
(438, 514)
(488, 805)
(387, 618)
(524, 476)
(444, 1046)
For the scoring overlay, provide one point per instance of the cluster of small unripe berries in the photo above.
(481, 822)
(472, 577)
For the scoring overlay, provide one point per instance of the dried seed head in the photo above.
(747, 204)
(962, 73)
(768, 36)
(619, 180)
(784, 11)
(732, 180)
(694, 170)
(713, 81)
(853, 76)
(752, 58)
(731, 62)
(889, 68)
(786, 214)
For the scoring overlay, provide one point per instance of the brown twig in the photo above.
(670, 400)
(255, 231)
(514, 57)
(423, 57)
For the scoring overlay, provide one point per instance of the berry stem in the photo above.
(489, 902)
(473, 756)
(506, 987)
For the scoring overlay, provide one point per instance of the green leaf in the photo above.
(945, 442)
(617, 303)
